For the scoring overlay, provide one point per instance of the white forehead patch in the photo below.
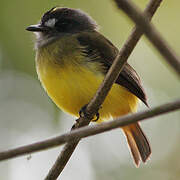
(50, 22)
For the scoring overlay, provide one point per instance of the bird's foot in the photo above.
(97, 117)
(83, 113)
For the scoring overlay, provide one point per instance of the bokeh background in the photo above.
(28, 115)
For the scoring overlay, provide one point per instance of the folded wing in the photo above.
(98, 48)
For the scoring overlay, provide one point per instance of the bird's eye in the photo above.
(63, 25)
(67, 25)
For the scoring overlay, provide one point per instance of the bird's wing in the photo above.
(96, 45)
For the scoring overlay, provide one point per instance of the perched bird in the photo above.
(72, 58)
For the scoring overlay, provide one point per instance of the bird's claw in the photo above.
(83, 113)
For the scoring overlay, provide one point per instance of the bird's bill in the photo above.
(37, 28)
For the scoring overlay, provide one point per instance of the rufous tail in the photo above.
(137, 142)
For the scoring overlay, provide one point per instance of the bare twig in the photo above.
(98, 99)
(150, 31)
(90, 130)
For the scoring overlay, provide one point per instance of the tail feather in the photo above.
(133, 148)
(137, 142)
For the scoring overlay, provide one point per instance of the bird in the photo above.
(72, 59)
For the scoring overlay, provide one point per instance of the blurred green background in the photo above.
(28, 115)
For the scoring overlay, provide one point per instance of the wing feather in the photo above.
(98, 48)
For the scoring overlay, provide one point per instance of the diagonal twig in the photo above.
(89, 131)
(150, 31)
(98, 99)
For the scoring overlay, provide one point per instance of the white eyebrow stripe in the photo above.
(50, 22)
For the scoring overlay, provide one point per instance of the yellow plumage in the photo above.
(71, 81)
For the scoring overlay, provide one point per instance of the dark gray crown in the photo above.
(68, 20)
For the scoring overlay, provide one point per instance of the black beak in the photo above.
(38, 28)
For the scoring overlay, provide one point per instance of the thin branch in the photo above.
(90, 130)
(102, 92)
(150, 31)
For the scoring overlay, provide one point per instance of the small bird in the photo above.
(72, 59)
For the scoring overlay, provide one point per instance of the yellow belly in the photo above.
(72, 86)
